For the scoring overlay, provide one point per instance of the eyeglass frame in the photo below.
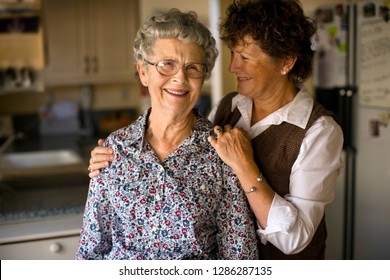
(178, 68)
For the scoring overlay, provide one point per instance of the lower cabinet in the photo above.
(61, 248)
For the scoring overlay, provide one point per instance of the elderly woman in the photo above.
(284, 147)
(167, 194)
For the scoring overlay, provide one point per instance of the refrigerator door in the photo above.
(355, 85)
(372, 132)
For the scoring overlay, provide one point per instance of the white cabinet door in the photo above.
(48, 249)
(114, 29)
(90, 41)
(66, 46)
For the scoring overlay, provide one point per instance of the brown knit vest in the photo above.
(276, 150)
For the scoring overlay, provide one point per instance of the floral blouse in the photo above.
(190, 206)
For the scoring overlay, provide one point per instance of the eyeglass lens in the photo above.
(170, 67)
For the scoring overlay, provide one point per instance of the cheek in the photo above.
(196, 89)
(157, 82)
(265, 72)
(196, 85)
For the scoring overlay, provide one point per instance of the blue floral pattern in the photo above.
(190, 206)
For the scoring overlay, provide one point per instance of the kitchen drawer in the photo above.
(62, 248)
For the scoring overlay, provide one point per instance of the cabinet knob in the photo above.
(55, 247)
(87, 64)
(95, 64)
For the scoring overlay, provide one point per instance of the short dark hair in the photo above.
(279, 27)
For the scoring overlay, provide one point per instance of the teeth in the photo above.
(177, 92)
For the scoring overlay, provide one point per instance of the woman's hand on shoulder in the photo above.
(233, 146)
(100, 158)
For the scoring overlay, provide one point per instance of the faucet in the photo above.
(9, 141)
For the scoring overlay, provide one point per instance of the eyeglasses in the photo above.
(170, 68)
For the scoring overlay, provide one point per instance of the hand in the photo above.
(100, 157)
(233, 146)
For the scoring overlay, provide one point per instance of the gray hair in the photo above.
(175, 24)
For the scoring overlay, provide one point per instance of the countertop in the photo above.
(67, 225)
(47, 204)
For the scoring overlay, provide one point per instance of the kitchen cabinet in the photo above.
(48, 249)
(41, 206)
(89, 41)
(47, 238)
(21, 46)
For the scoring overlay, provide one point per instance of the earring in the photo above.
(283, 72)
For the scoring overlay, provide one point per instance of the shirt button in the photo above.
(158, 197)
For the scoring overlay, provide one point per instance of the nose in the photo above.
(234, 65)
(180, 76)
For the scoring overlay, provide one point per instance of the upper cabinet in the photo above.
(89, 41)
(21, 46)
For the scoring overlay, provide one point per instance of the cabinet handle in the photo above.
(87, 64)
(95, 64)
(55, 247)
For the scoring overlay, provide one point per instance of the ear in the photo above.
(142, 73)
(288, 63)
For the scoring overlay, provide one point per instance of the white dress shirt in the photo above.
(293, 219)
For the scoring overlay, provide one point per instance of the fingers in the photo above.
(227, 127)
(218, 130)
(94, 168)
(93, 173)
(211, 139)
(101, 154)
(99, 150)
(100, 158)
(100, 142)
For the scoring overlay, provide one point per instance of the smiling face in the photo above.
(258, 74)
(176, 94)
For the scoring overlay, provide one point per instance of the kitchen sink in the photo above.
(40, 162)
(40, 159)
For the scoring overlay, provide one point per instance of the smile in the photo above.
(178, 93)
(243, 78)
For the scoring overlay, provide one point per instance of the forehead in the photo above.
(172, 48)
(244, 42)
(248, 45)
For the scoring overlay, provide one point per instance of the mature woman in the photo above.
(289, 163)
(167, 194)
(285, 148)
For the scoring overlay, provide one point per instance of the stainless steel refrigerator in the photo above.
(352, 78)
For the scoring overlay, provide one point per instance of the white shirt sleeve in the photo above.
(293, 220)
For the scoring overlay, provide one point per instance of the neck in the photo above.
(166, 133)
(266, 105)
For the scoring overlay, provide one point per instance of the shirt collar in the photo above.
(135, 140)
(296, 112)
(196, 142)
